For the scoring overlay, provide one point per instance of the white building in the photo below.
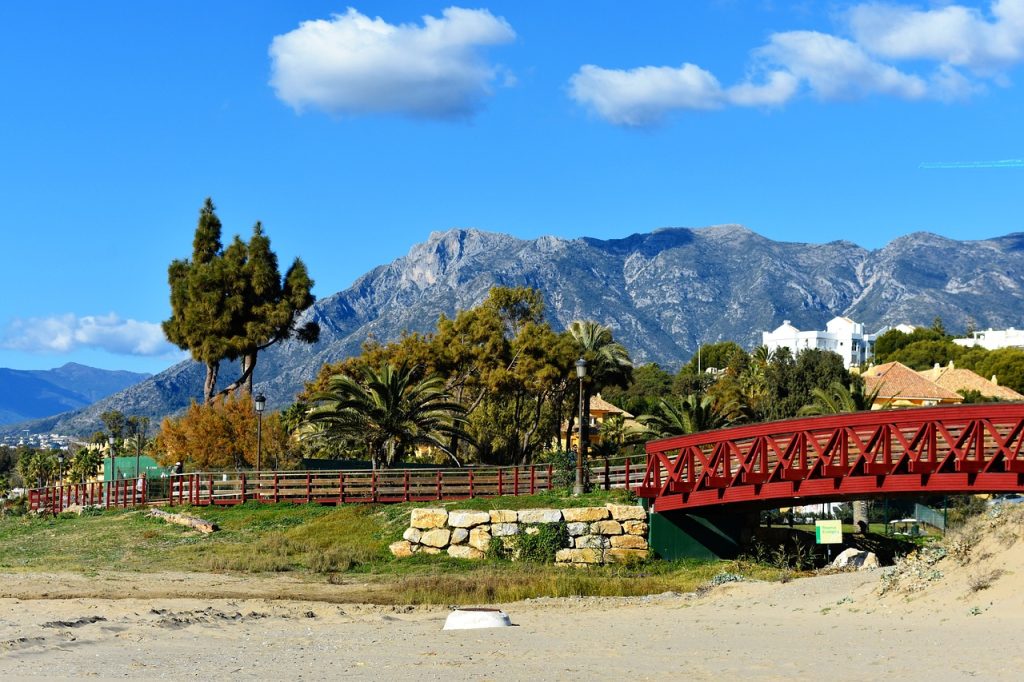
(991, 339)
(842, 336)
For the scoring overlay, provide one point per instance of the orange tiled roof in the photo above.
(956, 379)
(599, 404)
(894, 381)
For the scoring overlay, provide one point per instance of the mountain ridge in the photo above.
(661, 292)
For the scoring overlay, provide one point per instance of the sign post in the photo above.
(828, 532)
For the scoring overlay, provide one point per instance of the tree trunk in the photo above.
(210, 385)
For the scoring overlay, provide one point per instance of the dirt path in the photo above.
(829, 628)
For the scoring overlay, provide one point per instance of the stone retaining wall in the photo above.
(597, 535)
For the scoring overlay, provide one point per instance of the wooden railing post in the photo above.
(406, 484)
(515, 482)
(627, 474)
(341, 488)
(243, 487)
(277, 488)
(439, 484)
(500, 491)
(533, 479)
(551, 474)
(309, 487)
(373, 486)
(607, 476)
(471, 490)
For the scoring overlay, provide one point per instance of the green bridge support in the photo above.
(719, 535)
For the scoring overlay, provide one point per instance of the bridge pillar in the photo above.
(707, 535)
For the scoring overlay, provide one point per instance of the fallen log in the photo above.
(198, 524)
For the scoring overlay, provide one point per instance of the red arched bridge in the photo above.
(936, 450)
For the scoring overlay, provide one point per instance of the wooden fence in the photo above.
(327, 487)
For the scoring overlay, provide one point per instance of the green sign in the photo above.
(828, 532)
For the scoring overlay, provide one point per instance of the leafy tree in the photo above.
(938, 327)
(388, 410)
(1006, 364)
(921, 355)
(649, 384)
(116, 423)
(85, 464)
(790, 382)
(37, 468)
(838, 398)
(608, 363)
(893, 340)
(690, 414)
(221, 435)
(230, 303)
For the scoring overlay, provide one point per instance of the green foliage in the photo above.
(388, 410)
(838, 398)
(921, 355)
(564, 469)
(648, 384)
(893, 340)
(690, 414)
(720, 355)
(541, 546)
(231, 303)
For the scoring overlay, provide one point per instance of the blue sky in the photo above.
(352, 133)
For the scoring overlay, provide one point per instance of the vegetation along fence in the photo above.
(327, 487)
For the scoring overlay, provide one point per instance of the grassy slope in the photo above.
(325, 543)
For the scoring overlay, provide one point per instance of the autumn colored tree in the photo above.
(220, 435)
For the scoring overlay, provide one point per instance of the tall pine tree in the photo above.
(230, 303)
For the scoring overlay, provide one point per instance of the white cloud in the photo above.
(352, 64)
(641, 97)
(66, 333)
(834, 68)
(954, 35)
(952, 53)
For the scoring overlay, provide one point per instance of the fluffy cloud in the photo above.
(954, 35)
(65, 333)
(352, 64)
(955, 39)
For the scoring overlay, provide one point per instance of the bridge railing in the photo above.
(329, 487)
(962, 448)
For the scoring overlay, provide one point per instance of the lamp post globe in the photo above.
(581, 374)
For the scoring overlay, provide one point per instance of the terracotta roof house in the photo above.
(900, 386)
(956, 379)
(600, 411)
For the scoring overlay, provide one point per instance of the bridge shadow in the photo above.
(795, 544)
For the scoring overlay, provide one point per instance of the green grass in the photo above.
(333, 544)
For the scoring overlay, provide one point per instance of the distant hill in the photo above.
(30, 394)
(662, 293)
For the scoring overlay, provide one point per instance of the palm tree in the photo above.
(691, 414)
(838, 399)
(608, 362)
(387, 410)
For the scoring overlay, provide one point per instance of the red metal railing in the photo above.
(962, 449)
(329, 487)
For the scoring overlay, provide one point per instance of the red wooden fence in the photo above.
(327, 487)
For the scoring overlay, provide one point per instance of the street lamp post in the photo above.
(60, 468)
(260, 403)
(581, 373)
(110, 441)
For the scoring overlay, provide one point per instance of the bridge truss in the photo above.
(936, 450)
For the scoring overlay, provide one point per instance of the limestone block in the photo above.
(503, 516)
(401, 549)
(532, 530)
(634, 527)
(578, 556)
(412, 535)
(619, 555)
(606, 528)
(628, 542)
(479, 538)
(428, 518)
(467, 519)
(459, 536)
(592, 542)
(627, 512)
(577, 528)
(540, 515)
(465, 552)
(588, 514)
(438, 537)
(501, 529)
(430, 550)
(854, 558)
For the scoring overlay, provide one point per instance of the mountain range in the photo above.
(662, 293)
(30, 394)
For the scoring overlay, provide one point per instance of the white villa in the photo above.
(991, 339)
(842, 336)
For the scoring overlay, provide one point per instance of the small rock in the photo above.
(401, 549)
(577, 528)
(412, 535)
(428, 518)
(588, 514)
(437, 537)
(500, 529)
(627, 512)
(606, 528)
(459, 536)
(467, 519)
(540, 515)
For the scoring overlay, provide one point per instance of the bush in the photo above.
(539, 547)
(564, 465)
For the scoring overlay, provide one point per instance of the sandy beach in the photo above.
(832, 627)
